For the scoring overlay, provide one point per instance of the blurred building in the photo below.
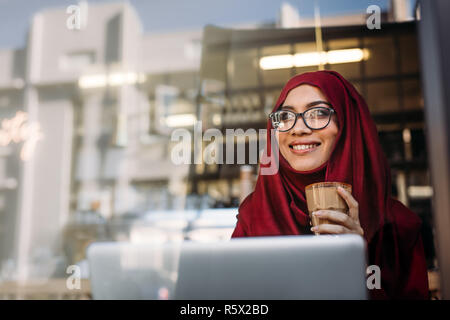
(87, 116)
(88, 94)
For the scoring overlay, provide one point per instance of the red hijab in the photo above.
(278, 206)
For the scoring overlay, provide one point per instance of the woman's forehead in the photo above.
(303, 95)
(304, 92)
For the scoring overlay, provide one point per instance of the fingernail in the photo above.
(317, 213)
(314, 229)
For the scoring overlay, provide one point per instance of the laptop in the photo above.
(274, 268)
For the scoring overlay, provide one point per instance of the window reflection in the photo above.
(109, 106)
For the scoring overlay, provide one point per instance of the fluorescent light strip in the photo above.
(420, 191)
(276, 62)
(313, 58)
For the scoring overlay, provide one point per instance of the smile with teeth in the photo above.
(304, 146)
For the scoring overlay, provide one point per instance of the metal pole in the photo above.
(433, 26)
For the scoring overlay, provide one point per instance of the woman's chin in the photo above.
(305, 166)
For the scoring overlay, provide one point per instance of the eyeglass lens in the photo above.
(316, 118)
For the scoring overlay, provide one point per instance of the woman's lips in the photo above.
(303, 149)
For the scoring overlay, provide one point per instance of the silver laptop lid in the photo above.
(288, 267)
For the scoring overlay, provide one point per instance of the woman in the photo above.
(335, 139)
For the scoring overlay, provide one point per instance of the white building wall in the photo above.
(170, 52)
(51, 181)
(58, 42)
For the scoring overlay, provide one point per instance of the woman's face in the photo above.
(298, 100)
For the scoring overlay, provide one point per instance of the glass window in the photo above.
(412, 94)
(75, 61)
(270, 100)
(419, 144)
(246, 107)
(358, 86)
(213, 65)
(382, 96)
(392, 144)
(305, 47)
(276, 76)
(184, 80)
(348, 70)
(409, 55)
(381, 61)
(243, 68)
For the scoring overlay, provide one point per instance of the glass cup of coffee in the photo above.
(324, 196)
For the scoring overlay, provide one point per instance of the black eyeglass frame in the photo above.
(300, 114)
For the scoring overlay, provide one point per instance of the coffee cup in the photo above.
(324, 196)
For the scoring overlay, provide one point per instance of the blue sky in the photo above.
(168, 15)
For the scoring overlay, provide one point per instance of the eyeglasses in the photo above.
(315, 118)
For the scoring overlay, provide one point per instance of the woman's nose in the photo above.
(300, 127)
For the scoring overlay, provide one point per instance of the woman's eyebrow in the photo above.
(309, 105)
(315, 103)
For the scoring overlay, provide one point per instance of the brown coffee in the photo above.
(324, 196)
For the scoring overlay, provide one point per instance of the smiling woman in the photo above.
(325, 132)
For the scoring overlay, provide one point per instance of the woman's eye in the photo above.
(320, 113)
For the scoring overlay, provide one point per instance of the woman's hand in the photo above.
(343, 223)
